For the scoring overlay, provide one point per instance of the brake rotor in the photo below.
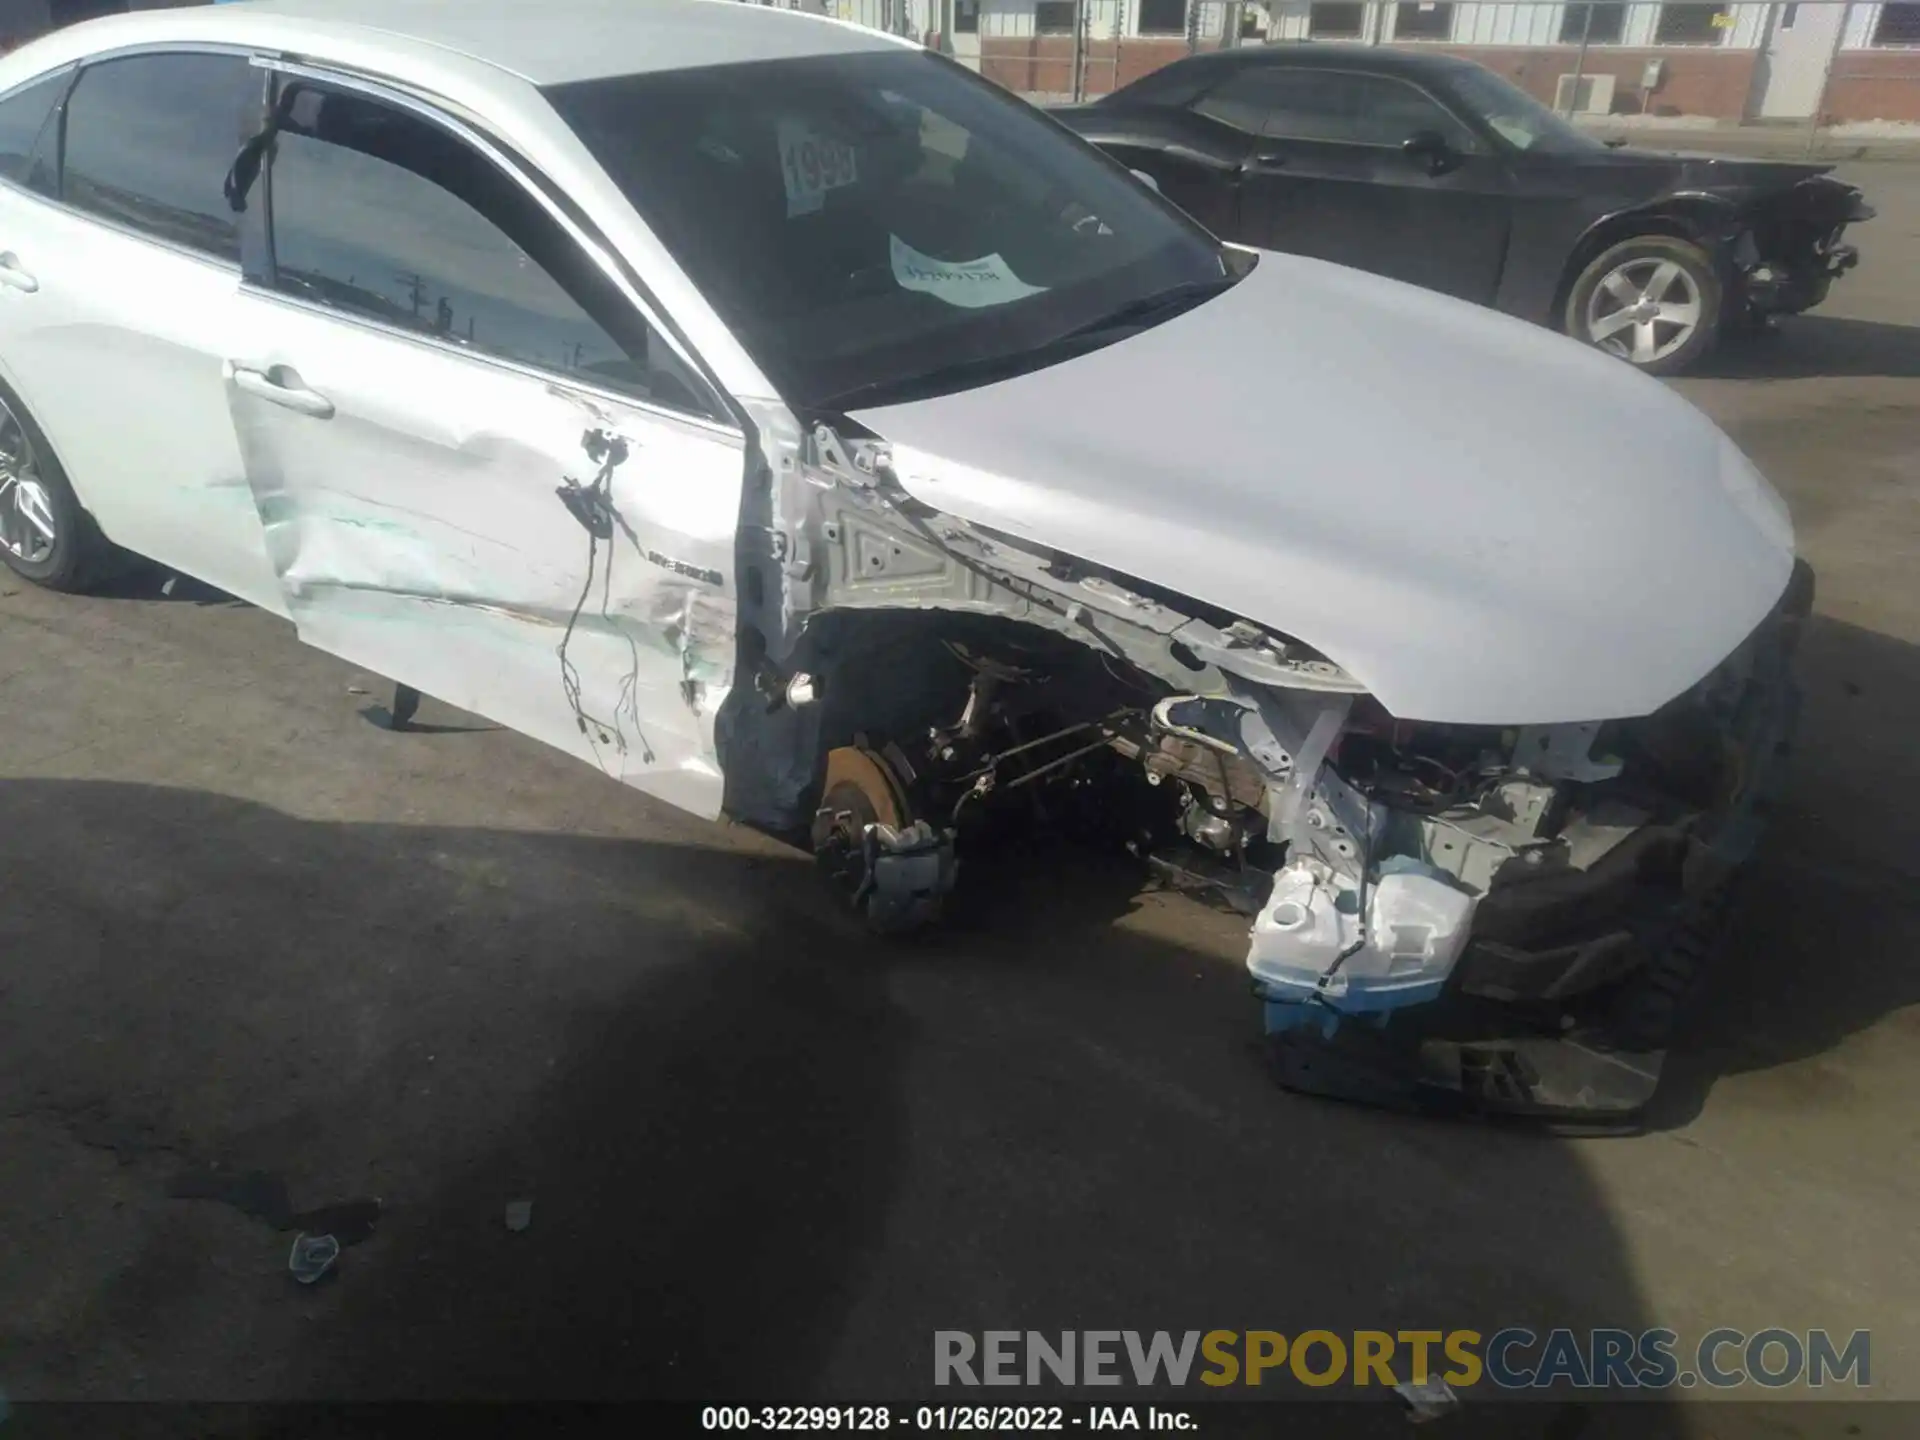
(861, 789)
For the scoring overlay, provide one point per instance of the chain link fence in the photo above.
(1814, 65)
(911, 19)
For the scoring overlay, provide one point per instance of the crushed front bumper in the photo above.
(1782, 290)
(1561, 1005)
(1776, 286)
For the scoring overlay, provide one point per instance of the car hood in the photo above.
(1656, 171)
(1483, 522)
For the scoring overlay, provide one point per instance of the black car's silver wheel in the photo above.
(1653, 301)
(29, 528)
(1643, 310)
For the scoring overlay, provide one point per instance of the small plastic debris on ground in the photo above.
(357, 690)
(1427, 1399)
(312, 1256)
(519, 1215)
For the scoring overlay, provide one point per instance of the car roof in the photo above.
(544, 42)
(1300, 54)
(551, 42)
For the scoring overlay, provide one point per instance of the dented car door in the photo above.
(480, 470)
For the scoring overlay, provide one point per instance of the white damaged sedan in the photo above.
(794, 426)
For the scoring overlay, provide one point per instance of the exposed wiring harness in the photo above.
(592, 505)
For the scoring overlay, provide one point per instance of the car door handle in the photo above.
(1259, 165)
(11, 273)
(281, 385)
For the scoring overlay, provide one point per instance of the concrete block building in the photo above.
(1682, 58)
(1710, 60)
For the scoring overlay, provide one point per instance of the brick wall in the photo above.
(1697, 82)
(1044, 63)
(1874, 85)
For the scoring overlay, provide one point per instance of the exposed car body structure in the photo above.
(1432, 169)
(861, 456)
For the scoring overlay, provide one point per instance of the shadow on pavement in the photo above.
(1810, 346)
(381, 718)
(142, 579)
(1826, 940)
(766, 1158)
(697, 1092)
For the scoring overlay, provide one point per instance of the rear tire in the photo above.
(1653, 301)
(46, 535)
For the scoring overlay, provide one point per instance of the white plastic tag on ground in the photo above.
(1428, 1399)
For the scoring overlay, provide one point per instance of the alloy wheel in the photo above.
(1643, 310)
(27, 526)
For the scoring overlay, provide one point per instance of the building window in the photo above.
(1425, 20)
(1692, 24)
(1595, 24)
(1899, 24)
(966, 17)
(1053, 17)
(1336, 22)
(1163, 17)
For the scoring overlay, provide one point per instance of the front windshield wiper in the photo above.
(983, 369)
(1161, 305)
(957, 375)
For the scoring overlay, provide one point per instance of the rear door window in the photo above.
(149, 141)
(1380, 110)
(1334, 106)
(1245, 99)
(24, 119)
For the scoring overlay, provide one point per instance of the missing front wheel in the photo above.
(881, 860)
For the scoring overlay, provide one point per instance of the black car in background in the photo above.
(1434, 170)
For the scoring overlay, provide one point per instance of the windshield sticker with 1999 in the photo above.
(811, 164)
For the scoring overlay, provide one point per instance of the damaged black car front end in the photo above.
(1787, 247)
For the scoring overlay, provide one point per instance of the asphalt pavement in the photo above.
(244, 926)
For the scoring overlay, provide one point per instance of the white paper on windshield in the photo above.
(811, 164)
(970, 284)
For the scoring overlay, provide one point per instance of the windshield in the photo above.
(882, 224)
(1519, 119)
